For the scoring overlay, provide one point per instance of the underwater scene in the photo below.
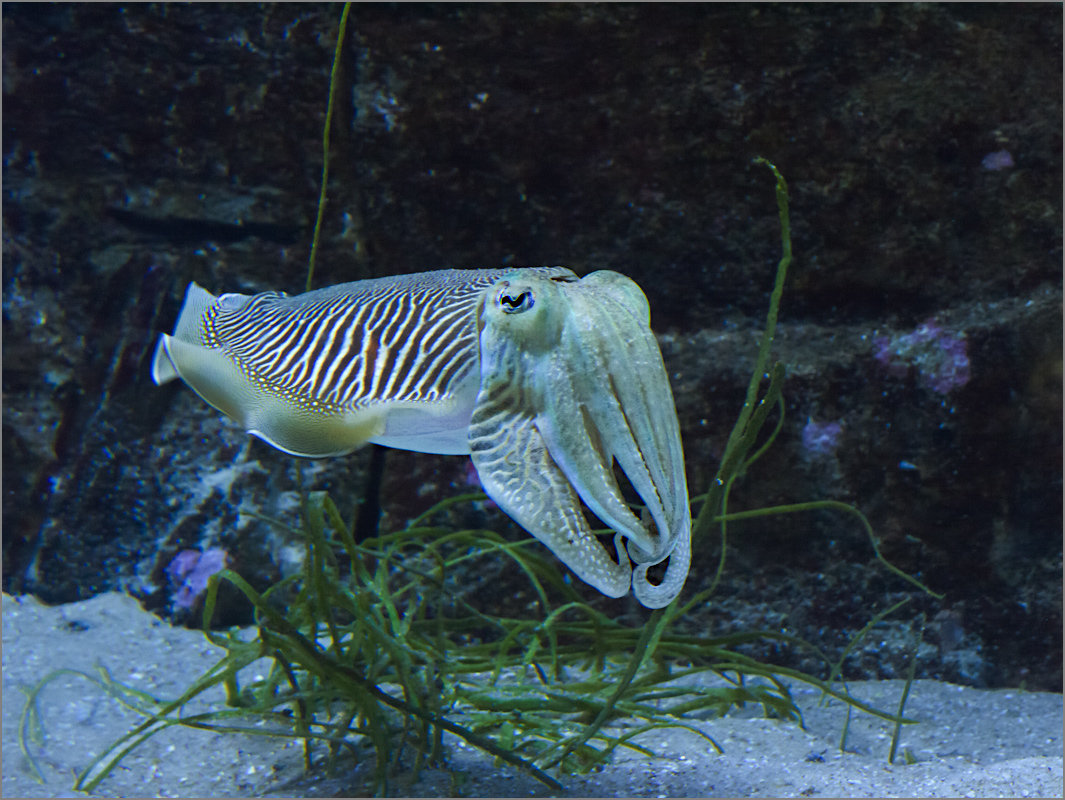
(532, 399)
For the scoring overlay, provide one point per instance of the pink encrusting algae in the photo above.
(189, 571)
(941, 356)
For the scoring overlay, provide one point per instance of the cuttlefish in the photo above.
(545, 379)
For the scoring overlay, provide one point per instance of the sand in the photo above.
(968, 743)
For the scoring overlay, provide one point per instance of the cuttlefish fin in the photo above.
(519, 474)
(190, 321)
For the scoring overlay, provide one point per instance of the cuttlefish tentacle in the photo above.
(593, 372)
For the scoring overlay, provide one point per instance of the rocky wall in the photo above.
(149, 145)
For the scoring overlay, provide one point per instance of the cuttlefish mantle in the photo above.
(547, 381)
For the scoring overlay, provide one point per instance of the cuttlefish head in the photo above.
(572, 384)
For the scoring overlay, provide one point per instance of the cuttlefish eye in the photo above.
(516, 304)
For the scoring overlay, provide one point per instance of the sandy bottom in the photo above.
(968, 743)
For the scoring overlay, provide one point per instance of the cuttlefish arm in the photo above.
(572, 381)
